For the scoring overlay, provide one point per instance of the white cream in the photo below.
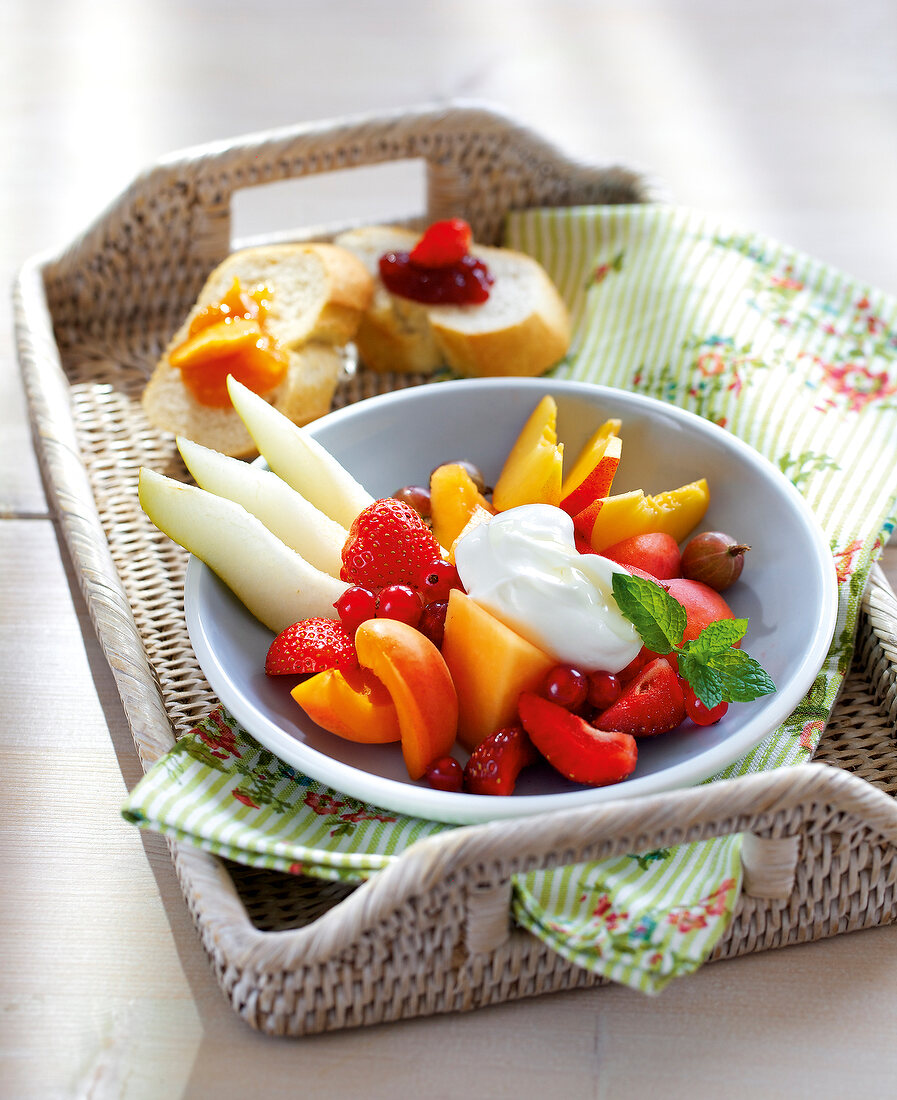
(523, 567)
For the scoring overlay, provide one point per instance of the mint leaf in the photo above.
(705, 681)
(742, 678)
(716, 671)
(716, 637)
(658, 618)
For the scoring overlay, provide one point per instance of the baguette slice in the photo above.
(522, 329)
(319, 294)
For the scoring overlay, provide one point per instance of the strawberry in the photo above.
(388, 544)
(653, 703)
(495, 763)
(577, 750)
(311, 645)
(443, 244)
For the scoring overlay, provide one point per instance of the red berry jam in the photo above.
(463, 283)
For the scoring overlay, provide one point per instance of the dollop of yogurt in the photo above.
(523, 567)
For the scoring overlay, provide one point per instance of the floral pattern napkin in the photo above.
(794, 357)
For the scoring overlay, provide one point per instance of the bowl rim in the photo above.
(459, 808)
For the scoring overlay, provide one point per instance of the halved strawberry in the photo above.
(495, 763)
(653, 703)
(311, 645)
(443, 244)
(577, 750)
(388, 544)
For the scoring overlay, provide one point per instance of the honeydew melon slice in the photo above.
(277, 585)
(298, 458)
(286, 513)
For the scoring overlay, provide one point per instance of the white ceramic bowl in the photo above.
(787, 589)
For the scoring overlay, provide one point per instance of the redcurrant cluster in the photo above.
(422, 606)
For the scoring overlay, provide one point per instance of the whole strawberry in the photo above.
(309, 646)
(388, 544)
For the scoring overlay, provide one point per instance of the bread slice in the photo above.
(319, 294)
(522, 329)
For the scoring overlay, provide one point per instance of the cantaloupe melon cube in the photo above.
(490, 666)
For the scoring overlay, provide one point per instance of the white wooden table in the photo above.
(780, 116)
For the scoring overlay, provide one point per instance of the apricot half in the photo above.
(418, 680)
(351, 703)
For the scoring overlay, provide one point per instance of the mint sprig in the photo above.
(716, 671)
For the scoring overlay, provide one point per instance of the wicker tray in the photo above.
(432, 933)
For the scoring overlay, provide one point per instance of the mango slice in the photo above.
(532, 472)
(454, 498)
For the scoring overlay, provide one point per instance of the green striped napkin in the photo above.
(795, 358)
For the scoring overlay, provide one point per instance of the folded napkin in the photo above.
(794, 357)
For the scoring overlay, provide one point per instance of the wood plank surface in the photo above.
(780, 117)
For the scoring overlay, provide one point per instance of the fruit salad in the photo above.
(545, 619)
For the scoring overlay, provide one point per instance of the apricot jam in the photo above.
(229, 337)
(465, 282)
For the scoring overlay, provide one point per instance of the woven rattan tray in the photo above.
(432, 933)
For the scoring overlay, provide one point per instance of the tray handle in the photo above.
(157, 242)
(771, 811)
(467, 149)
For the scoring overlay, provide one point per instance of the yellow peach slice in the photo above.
(418, 680)
(533, 470)
(351, 703)
(675, 512)
(490, 665)
(453, 499)
(589, 455)
(594, 483)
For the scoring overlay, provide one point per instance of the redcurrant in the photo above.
(699, 712)
(445, 774)
(566, 686)
(355, 606)
(604, 689)
(432, 622)
(399, 601)
(437, 579)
